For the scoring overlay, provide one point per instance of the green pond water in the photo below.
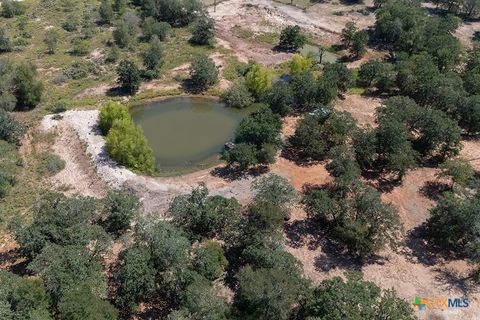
(187, 133)
(327, 57)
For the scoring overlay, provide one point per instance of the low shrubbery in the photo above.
(126, 142)
(50, 164)
(10, 129)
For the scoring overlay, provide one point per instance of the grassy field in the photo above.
(28, 35)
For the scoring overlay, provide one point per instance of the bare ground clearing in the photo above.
(323, 21)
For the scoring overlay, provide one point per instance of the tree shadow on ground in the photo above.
(384, 183)
(230, 174)
(290, 153)
(116, 92)
(433, 190)
(453, 280)
(312, 234)
(13, 262)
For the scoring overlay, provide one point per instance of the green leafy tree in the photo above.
(203, 30)
(66, 268)
(300, 64)
(275, 190)
(168, 245)
(259, 128)
(339, 75)
(258, 79)
(127, 145)
(152, 27)
(176, 12)
(292, 38)
(369, 71)
(81, 304)
(10, 129)
(355, 216)
(109, 112)
(280, 98)
(242, 155)
(11, 8)
(153, 57)
(136, 277)
(28, 90)
(120, 208)
(365, 145)
(459, 170)
(343, 167)
(202, 215)
(469, 114)
(61, 221)
(317, 133)
(201, 301)
(238, 96)
(119, 6)
(128, 76)
(210, 260)
(203, 73)
(453, 224)
(23, 298)
(355, 298)
(106, 11)
(348, 33)
(305, 89)
(359, 43)
(267, 293)
(393, 147)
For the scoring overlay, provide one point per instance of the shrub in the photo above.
(238, 96)
(127, 145)
(151, 28)
(106, 11)
(120, 208)
(210, 260)
(80, 304)
(280, 98)
(128, 76)
(459, 170)
(258, 79)
(175, 12)
(136, 277)
(51, 40)
(81, 47)
(5, 42)
(300, 64)
(28, 90)
(292, 38)
(203, 216)
(11, 8)
(365, 299)
(6, 182)
(10, 129)
(203, 72)
(59, 106)
(242, 155)
(203, 30)
(50, 164)
(153, 57)
(109, 112)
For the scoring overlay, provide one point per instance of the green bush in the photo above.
(50, 164)
(127, 145)
(210, 260)
(238, 96)
(6, 182)
(120, 208)
(10, 129)
(11, 8)
(292, 38)
(80, 47)
(109, 112)
(203, 72)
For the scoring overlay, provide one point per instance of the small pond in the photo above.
(187, 133)
(327, 56)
